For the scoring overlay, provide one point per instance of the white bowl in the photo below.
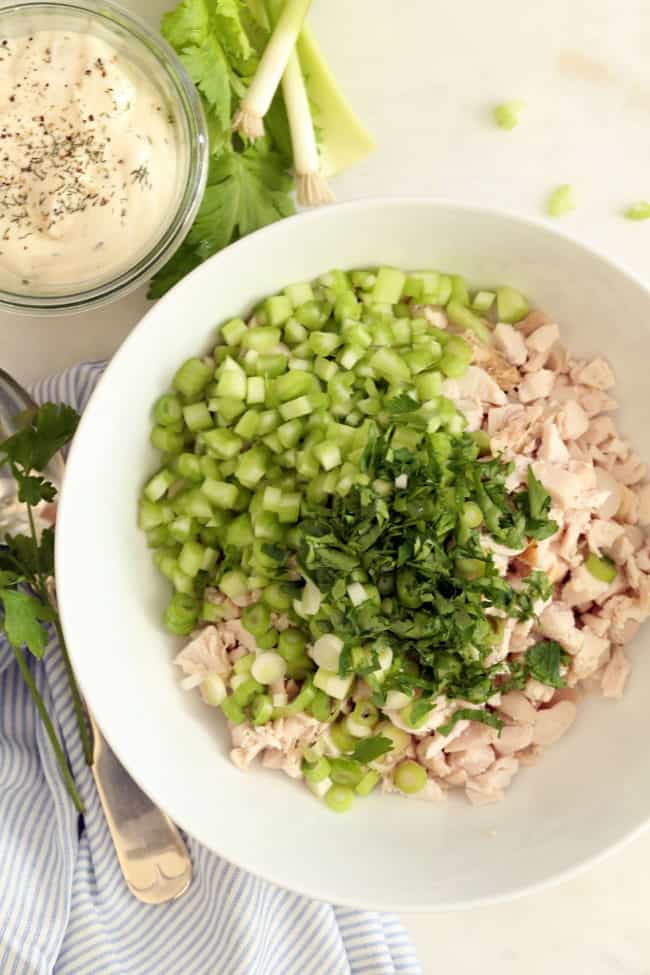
(588, 794)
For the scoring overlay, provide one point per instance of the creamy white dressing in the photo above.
(88, 162)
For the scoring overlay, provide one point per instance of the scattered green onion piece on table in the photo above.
(507, 114)
(561, 201)
(638, 211)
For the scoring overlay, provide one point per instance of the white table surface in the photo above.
(424, 75)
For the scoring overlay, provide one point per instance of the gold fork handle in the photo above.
(151, 853)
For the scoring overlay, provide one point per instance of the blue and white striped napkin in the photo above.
(64, 907)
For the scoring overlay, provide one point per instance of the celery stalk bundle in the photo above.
(277, 120)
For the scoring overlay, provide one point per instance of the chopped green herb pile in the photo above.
(27, 563)
(426, 578)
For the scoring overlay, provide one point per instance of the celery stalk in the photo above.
(345, 141)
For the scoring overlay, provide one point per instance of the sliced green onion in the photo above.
(507, 115)
(268, 668)
(561, 201)
(339, 798)
(601, 568)
(409, 777)
(213, 690)
(638, 211)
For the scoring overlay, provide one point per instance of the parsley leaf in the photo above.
(187, 24)
(543, 663)
(248, 185)
(47, 430)
(368, 749)
(539, 499)
(24, 616)
(402, 404)
(207, 67)
(472, 714)
(245, 191)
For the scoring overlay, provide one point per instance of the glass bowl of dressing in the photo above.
(103, 154)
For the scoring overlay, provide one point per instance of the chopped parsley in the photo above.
(428, 579)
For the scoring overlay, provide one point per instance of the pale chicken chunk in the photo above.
(615, 675)
(558, 623)
(518, 708)
(572, 421)
(513, 738)
(553, 449)
(207, 652)
(572, 486)
(582, 587)
(596, 373)
(511, 343)
(476, 384)
(643, 499)
(603, 534)
(592, 655)
(488, 787)
(551, 723)
(539, 346)
(536, 385)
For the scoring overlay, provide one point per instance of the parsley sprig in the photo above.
(27, 565)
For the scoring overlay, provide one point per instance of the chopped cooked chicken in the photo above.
(616, 674)
(488, 787)
(553, 449)
(643, 500)
(511, 343)
(583, 587)
(557, 622)
(536, 385)
(595, 373)
(572, 421)
(539, 346)
(207, 652)
(476, 384)
(551, 723)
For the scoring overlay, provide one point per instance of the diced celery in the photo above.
(247, 426)
(390, 366)
(157, 487)
(251, 466)
(463, 317)
(220, 493)
(271, 365)
(388, 285)
(233, 331)
(483, 301)
(192, 377)
(511, 305)
(299, 293)
(197, 417)
(291, 385)
(324, 343)
(301, 406)
(223, 443)
(294, 332)
(459, 290)
(261, 338)
(227, 409)
(278, 309)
